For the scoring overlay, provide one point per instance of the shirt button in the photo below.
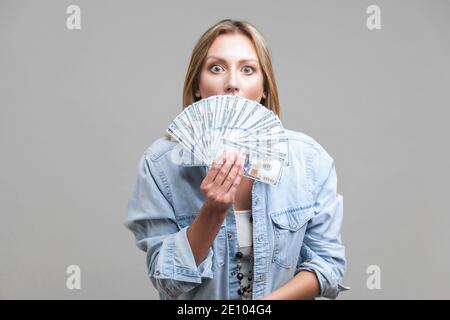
(233, 273)
(294, 225)
(157, 272)
(256, 200)
(260, 238)
(230, 236)
(262, 277)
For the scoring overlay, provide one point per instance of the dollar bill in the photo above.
(224, 122)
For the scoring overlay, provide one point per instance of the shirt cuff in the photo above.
(185, 268)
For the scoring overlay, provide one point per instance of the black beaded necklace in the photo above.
(244, 291)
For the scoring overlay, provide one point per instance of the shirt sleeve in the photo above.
(322, 251)
(150, 216)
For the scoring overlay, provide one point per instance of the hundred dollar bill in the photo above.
(258, 166)
(266, 170)
(209, 126)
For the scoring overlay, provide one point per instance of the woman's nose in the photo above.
(232, 90)
(231, 85)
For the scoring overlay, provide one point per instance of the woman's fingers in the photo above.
(221, 183)
(237, 180)
(225, 169)
(234, 171)
(229, 179)
(215, 168)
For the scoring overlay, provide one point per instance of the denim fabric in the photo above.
(296, 224)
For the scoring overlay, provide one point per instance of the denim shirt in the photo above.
(296, 224)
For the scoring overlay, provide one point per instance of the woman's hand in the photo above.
(222, 181)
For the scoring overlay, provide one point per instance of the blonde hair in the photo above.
(228, 26)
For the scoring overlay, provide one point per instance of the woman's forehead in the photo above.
(232, 46)
(225, 58)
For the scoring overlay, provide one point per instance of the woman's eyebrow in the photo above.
(223, 60)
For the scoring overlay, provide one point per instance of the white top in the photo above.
(244, 228)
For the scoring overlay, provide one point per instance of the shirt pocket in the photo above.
(219, 244)
(289, 226)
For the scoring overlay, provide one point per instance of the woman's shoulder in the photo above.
(159, 147)
(300, 136)
(303, 143)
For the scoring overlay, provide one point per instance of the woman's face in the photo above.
(232, 67)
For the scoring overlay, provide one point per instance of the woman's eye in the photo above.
(216, 68)
(247, 70)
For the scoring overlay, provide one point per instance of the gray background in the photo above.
(78, 108)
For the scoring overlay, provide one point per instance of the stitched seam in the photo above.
(166, 185)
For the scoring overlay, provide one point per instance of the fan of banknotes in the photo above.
(221, 123)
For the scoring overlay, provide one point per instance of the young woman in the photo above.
(215, 234)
